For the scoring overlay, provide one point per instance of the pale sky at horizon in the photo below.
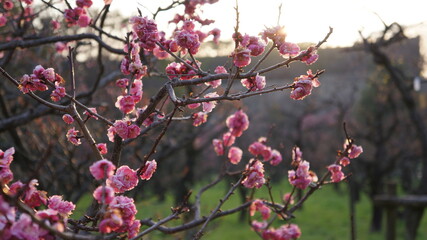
(304, 21)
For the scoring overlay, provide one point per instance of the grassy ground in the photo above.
(325, 216)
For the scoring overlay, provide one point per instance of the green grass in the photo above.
(324, 216)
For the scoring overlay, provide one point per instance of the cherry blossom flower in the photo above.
(289, 49)
(259, 206)
(6, 157)
(52, 218)
(123, 180)
(235, 155)
(336, 174)
(296, 156)
(276, 157)
(24, 228)
(55, 24)
(102, 169)
(216, 33)
(72, 136)
(209, 106)
(237, 123)
(344, 161)
(3, 20)
(276, 34)
(84, 3)
(104, 194)
(253, 44)
(303, 86)
(254, 174)
(258, 226)
(126, 103)
(31, 83)
(256, 83)
(124, 128)
(199, 118)
(218, 147)
(60, 47)
(57, 94)
(7, 5)
(6, 175)
(188, 40)
(111, 222)
(301, 178)
(102, 148)
(55, 202)
(241, 57)
(311, 56)
(194, 105)
(49, 74)
(228, 139)
(122, 82)
(355, 151)
(147, 32)
(217, 83)
(148, 170)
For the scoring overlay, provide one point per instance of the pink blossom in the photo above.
(258, 205)
(111, 222)
(289, 231)
(102, 148)
(123, 180)
(218, 147)
(104, 194)
(72, 136)
(241, 57)
(303, 86)
(258, 226)
(6, 157)
(55, 202)
(136, 90)
(6, 175)
(336, 174)
(60, 47)
(126, 104)
(256, 83)
(84, 21)
(133, 229)
(289, 49)
(276, 157)
(237, 123)
(228, 139)
(194, 105)
(32, 196)
(146, 30)
(188, 40)
(102, 169)
(300, 178)
(68, 119)
(209, 106)
(84, 3)
(235, 155)
(52, 218)
(310, 57)
(122, 82)
(296, 156)
(126, 206)
(57, 94)
(31, 83)
(124, 129)
(24, 228)
(276, 34)
(90, 115)
(160, 53)
(7, 5)
(49, 74)
(199, 118)
(355, 151)
(148, 170)
(55, 24)
(217, 83)
(344, 161)
(254, 174)
(216, 33)
(254, 45)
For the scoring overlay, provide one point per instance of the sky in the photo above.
(304, 21)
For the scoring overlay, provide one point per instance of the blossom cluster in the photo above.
(120, 212)
(19, 225)
(8, 15)
(350, 151)
(78, 15)
(40, 79)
